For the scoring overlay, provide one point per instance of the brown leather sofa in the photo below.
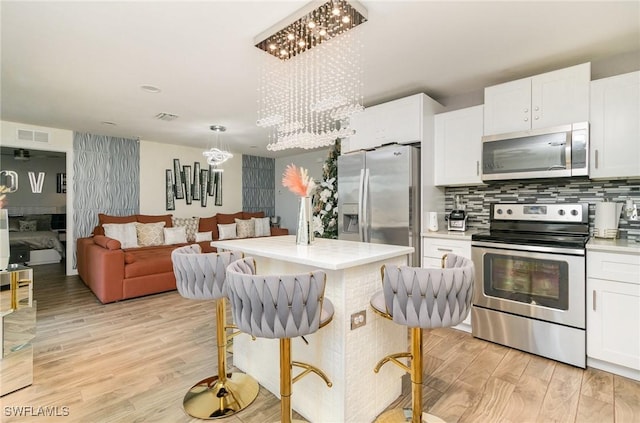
(114, 274)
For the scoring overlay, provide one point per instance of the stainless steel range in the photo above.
(530, 279)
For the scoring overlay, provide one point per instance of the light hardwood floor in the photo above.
(132, 361)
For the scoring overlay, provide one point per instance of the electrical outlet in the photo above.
(358, 319)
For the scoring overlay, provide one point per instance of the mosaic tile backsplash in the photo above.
(571, 190)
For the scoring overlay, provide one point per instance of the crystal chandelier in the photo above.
(306, 99)
(217, 155)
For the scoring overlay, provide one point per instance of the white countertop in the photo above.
(444, 234)
(324, 253)
(613, 245)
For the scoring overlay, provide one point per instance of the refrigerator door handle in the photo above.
(365, 207)
(360, 207)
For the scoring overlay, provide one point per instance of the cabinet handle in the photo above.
(526, 110)
(526, 119)
(447, 250)
(477, 167)
(537, 117)
(537, 108)
(596, 158)
(593, 294)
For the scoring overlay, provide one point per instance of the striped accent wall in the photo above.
(106, 179)
(570, 190)
(258, 184)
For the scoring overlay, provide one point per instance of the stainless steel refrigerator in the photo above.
(379, 197)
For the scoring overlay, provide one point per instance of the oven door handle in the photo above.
(532, 248)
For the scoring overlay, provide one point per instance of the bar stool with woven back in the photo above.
(282, 307)
(203, 277)
(422, 299)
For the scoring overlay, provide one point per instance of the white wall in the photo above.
(155, 158)
(286, 201)
(59, 140)
(24, 197)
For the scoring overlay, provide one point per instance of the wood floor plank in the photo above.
(132, 361)
(626, 399)
(525, 401)
(561, 400)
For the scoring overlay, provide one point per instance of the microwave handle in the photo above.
(567, 152)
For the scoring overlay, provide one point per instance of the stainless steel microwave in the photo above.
(559, 151)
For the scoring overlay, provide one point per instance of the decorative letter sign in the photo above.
(36, 184)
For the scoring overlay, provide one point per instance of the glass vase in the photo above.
(304, 234)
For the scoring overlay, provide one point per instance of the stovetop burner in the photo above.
(557, 225)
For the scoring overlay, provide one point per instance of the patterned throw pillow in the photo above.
(227, 231)
(190, 224)
(262, 226)
(28, 225)
(123, 232)
(175, 235)
(245, 228)
(150, 233)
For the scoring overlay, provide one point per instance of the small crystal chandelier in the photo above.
(306, 99)
(216, 155)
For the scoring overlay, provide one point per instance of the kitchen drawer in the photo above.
(431, 262)
(436, 247)
(618, 267)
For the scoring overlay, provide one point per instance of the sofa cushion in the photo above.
(226, 219)
(190, 224)
(123, 232)
(148, 261)
(150, 233)
(245, 228)
(147, 218)
(209, 224)
(249, 215)
(203, 236)
(105, 218)
(108, 243)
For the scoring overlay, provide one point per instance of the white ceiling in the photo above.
(73, 65)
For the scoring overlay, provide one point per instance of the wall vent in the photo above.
(29, 135)
(166, 116)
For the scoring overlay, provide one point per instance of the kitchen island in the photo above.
(346, 355)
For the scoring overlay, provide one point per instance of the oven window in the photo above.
(527, 280)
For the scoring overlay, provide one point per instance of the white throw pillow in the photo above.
(227, 231)
(191, 225)
(203, 236)
(262, 226)
(123, 232)
(177, 235)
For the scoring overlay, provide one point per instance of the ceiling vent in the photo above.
(166, 117)
(29, 135)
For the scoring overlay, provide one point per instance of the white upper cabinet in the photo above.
(615, 127)
(458, 147)
(397, 121)
(545, 100)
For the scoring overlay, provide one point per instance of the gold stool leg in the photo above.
(225, 394)
(398, 415)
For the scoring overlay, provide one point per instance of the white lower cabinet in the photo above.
(433, 249)
(613, 312)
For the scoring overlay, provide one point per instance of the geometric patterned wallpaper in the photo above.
(568, 190)
(258, 184)
(106, 179)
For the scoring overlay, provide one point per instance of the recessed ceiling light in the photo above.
(150, 89)
(106, 122)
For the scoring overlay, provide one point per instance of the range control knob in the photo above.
(509, 211)
(574, 212)
(561, 212)
(499, 211)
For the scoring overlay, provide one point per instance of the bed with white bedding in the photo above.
(35, 232)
